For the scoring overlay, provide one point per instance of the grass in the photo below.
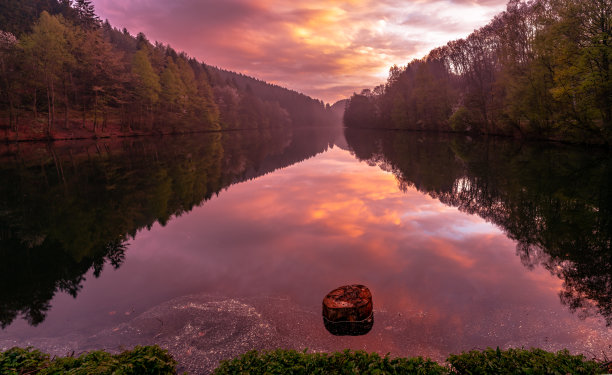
(154, 360)
(490, 361)
(140, 360)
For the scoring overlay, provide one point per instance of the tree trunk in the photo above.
(65, 106)
(52, 104)
(35, 111)
(95, 121)
(12, 121)
(48, 111)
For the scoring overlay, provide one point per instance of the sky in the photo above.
(325, 49)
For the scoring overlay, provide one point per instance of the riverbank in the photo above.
(154, 360)
(74, 130)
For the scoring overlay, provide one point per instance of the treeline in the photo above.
(303, 110)
(540, 69)
(554, 201)
(61, 67)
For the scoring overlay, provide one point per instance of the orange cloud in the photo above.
(326, 49)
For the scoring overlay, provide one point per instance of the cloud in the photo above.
(326, 49)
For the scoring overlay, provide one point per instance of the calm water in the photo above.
(211, 245)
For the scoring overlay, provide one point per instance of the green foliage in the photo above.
(174, 92)
(541, 69)
(67, 62)
(520, 361)
(460, 120)
(511, 361)
(147, 82)
(156, 361)
(347, 362)
(140, 360)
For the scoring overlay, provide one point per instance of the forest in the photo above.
(64, 73)
(541, 69)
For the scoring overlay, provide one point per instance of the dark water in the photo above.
(214, 244)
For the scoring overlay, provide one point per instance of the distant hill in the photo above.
(303, 110)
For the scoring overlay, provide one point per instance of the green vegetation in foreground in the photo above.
(520, 361)
(140, 360)
(154, 360)
(347, 362)
(490, 361)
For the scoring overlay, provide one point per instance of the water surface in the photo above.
(215, 244)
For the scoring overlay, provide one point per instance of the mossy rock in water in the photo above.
(349, 303)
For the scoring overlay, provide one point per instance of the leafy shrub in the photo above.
(140, 360)
(460, 121)
(154, 360)
(520, 361)
(347, 362)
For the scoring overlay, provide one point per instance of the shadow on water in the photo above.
(68, 208)
(555, 201)
(349, 328)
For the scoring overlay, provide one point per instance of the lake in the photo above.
(213, 244)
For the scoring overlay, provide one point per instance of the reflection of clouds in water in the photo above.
(356, 226)
(442, 281)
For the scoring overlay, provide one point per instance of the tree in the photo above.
(48, 52)
(8, 48)
(86, 14)
(583, 40)
(360, 112)
(173, 91)
(146, 82)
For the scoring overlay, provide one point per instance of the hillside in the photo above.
(66, 74)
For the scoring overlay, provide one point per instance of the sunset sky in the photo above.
(326, 49)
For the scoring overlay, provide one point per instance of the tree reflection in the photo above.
(555, 201)
(70, 209)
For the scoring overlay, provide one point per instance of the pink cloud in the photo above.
(326, 49)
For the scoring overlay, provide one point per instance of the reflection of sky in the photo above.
(442, 281)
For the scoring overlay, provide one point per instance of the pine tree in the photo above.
(86, 14)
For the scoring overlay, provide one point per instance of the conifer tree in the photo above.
(86, 14)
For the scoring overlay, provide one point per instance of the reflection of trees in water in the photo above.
(71, 209)
(30, 277)
(554, 201)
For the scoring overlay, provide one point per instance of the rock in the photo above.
(348, 310)
(349, 303)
